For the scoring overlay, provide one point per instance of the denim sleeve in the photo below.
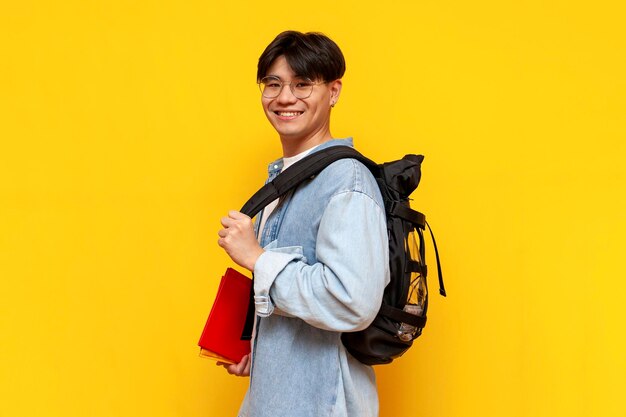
(343, 290)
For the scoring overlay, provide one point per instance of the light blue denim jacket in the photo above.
(323, 272)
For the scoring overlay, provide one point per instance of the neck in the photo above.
(293, 146)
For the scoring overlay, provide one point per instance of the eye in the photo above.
(271, 82)
(304, 83)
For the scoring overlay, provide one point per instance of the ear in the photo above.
(335, 90)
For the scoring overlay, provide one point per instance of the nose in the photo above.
(286, 95)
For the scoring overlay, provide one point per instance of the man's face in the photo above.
(299, 120)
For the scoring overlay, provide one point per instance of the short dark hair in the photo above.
(312, 55)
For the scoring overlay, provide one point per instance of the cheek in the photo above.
(320, 112)
(268, 113)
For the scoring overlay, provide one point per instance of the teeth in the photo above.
(288, 113)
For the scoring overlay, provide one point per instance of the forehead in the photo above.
(280, 68)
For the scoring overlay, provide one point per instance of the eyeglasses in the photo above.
(300, 87)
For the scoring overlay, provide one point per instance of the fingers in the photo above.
(239, 369)
(243, 367)
(235, 221)
(227, 221)
(237, 238)
(221, 241)
(246, 370)
(234, 214)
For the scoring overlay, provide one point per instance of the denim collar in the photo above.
(274, 168)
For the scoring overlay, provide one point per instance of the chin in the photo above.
(288, 132)
(292, 136)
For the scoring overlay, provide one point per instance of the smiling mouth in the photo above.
(288, 113)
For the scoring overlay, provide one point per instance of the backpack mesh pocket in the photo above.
(417, 291)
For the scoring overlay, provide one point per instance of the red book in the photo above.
(221, 338)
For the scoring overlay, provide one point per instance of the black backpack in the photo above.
(402, 315)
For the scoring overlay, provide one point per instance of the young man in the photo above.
(319, 255)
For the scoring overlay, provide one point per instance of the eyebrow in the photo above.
(295, 77)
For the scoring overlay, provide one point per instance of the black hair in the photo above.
(312, 55)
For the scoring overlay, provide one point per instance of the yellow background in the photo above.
(128, 128)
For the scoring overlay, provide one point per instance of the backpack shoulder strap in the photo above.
(305, 168)
(302, 170)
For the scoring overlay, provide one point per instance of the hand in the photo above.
(238, 240)
(240, 369)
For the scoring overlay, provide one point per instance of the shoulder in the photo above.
(349, 175)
